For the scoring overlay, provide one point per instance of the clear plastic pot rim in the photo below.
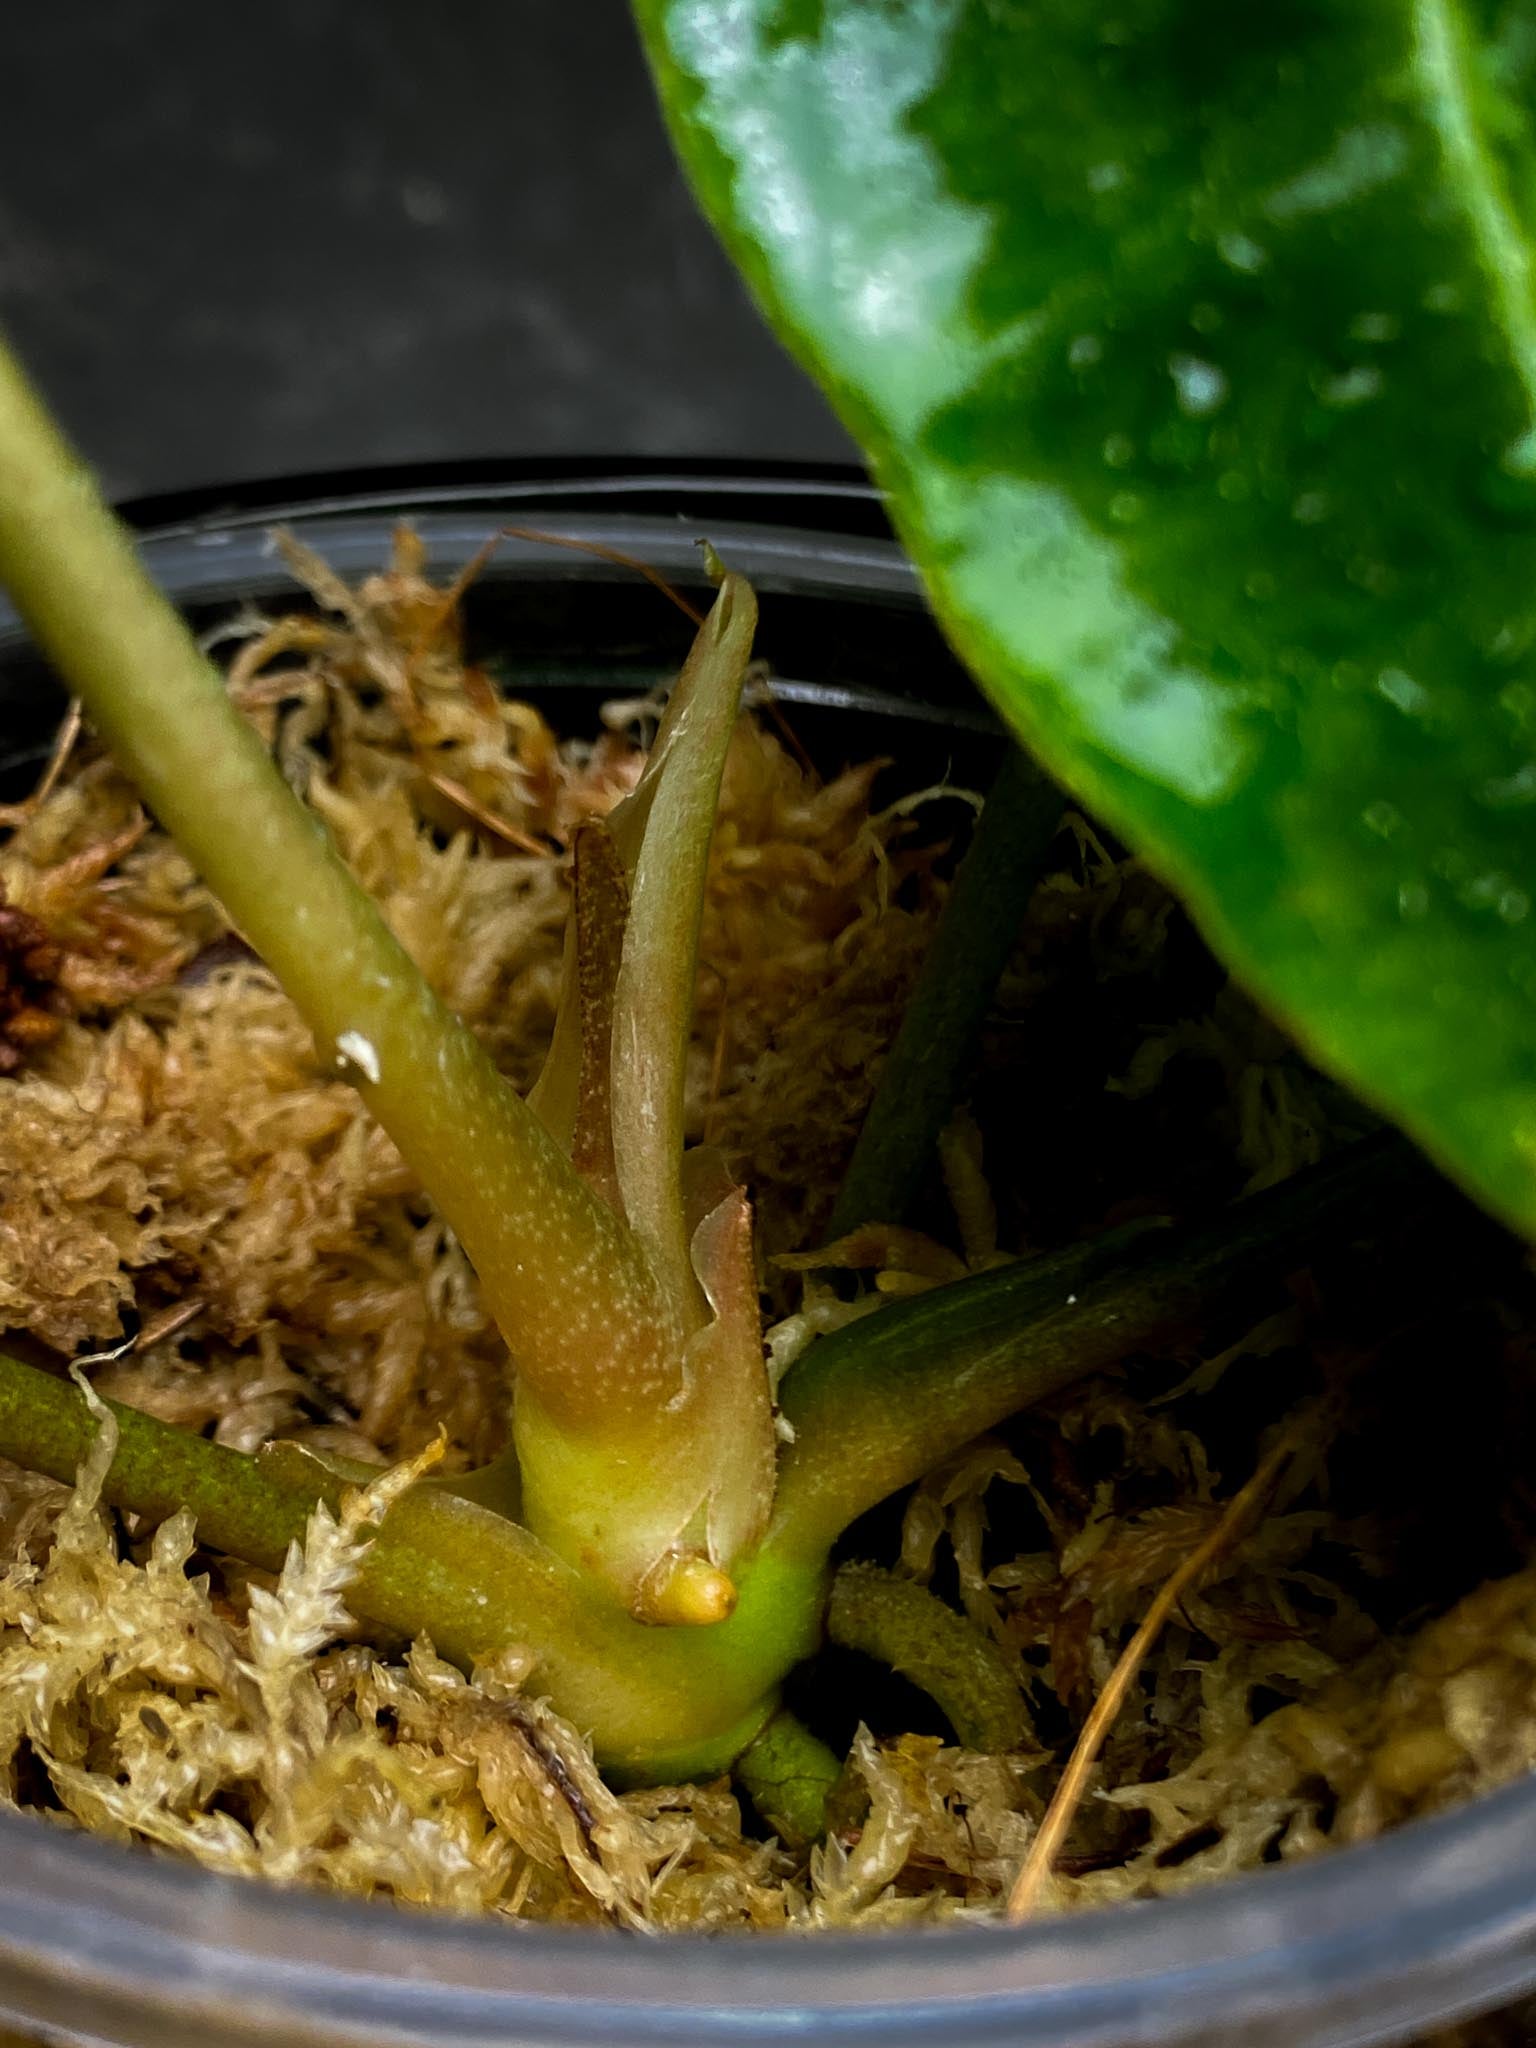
(1356, 1945)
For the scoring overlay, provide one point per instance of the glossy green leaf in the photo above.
(1196, 346)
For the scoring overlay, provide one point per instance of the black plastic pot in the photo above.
(107, 1945)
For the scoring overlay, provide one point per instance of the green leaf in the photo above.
(1196, 347)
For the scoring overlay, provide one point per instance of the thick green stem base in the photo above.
(660, 1704)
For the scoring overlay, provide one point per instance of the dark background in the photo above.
(241, 241)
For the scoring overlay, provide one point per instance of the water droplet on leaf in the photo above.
(1352, 387)
(1201, 386)
(1241, 252)
(1404, 691)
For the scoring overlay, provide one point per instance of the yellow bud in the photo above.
(685, 1590)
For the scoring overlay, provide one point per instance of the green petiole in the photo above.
(924, 1072)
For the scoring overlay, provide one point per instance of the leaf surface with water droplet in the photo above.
(1196, 347)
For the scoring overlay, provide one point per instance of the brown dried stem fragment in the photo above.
(1240, 1511)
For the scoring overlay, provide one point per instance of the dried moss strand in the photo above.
(1240, 1511)
(901, 1624)
(927, 1064)
(562, 1277)
(788, 1774)
(879, 1402)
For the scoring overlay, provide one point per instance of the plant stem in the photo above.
(158, 1469)
(659, 1703)
(788, 1773)
(500, 1180)
(875, 1404)
(569, 1285)
(683, 1494)
(666, 1704)
(900, 1623)
(926, 1066)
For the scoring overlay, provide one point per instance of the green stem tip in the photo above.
(900, 1623)
(789, 1774)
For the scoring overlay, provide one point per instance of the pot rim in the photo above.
(1431, 1921)
(843, 495)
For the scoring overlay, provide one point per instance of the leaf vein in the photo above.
(1443, 59)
